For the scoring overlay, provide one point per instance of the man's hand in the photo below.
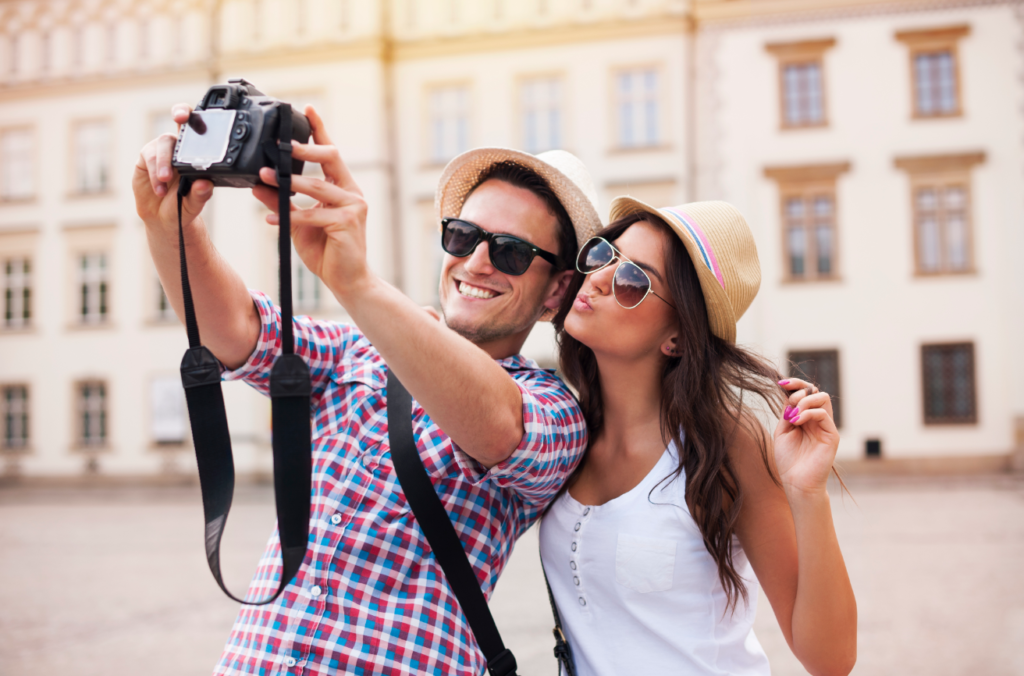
(330, 236)
(155, 183)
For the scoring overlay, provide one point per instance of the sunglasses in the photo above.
(509, 254)
(630, 284)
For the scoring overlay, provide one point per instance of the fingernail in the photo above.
(786, 413)
(161, 190)
(783, 382)
(164, 173)
(796, 416)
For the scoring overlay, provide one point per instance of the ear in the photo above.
(557, 287)
(670, 348)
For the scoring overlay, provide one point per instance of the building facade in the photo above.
(875, 148)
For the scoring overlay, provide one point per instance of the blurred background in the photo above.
(876, 148)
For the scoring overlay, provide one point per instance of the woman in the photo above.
(683, 504)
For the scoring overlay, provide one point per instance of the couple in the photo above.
(665, 501)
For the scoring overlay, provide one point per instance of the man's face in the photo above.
(484, 304)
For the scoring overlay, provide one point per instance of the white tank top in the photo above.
(638, 592)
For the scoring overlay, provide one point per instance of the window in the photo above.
(934, 72)
(17, 172)
(92, 286)
(809, 220)
(92, 413)
(164, 311)
(940, 198)
(17, 290)
(801, 82)
(14, 400)
(542, 113)
(948, 374)
(305, 285)
(820, 367)
(637, 108)
(92, 157)
(169, 422)
(449, 122)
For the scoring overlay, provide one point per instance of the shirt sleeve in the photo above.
(322, 345)
(554, 439)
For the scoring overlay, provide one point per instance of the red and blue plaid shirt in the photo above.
(369, 598)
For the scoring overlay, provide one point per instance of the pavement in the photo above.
(113, 581)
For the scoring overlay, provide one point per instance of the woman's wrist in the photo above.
(806, 497)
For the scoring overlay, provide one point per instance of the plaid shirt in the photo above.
(369, 598)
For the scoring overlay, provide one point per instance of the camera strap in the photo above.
(290, 393)
(440, 533)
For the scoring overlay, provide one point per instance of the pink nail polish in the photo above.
(783, 383)
(795, 417)
(787, 412)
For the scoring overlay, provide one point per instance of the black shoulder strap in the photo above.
(290, 392)
(563, 651)
(439, 531)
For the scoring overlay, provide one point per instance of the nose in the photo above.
(479, 262)
(601, 281)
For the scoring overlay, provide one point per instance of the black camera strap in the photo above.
(290, 392)
(439, 531)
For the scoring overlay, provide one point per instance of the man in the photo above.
(496, 434)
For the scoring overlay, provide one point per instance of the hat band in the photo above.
(698, 238)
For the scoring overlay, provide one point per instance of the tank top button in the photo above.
(586, 511)
(577, 526)
(574, 546)
(583, 601)
(576, 580)
(572, 564)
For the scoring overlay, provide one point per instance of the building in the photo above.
(875, 147)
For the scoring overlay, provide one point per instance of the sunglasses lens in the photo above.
(510, 255)
(595, 254)
(630, 285)
(460, 238)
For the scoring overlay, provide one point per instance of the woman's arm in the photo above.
(788, 534)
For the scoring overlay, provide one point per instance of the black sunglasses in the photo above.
(509, 254)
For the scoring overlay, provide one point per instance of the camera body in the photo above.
(232, 134)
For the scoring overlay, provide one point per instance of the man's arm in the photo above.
(228, 321)
(458, 384)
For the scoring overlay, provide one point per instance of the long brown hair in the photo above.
(703, 403)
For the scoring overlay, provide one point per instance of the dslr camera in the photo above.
(232, 134)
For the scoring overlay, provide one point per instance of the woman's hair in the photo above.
(702, 401)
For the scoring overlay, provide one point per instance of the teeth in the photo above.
(475, 291)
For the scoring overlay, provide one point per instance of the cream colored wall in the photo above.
(878, 314)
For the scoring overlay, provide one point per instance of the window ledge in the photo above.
(622, 150)
(796, 281)
(97, 326)
(91, 448)
(19, 331)
(98, 195)
(917, 117)
(947, 423)
(18, 201)
(16, 451)
(804, 127)
(945, 273)
(157, 323)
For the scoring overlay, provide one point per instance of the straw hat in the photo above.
(722, 248)
(563, 171)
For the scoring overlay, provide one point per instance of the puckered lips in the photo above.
(582, 303)
(476, 292)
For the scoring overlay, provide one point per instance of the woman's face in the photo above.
(610, 330)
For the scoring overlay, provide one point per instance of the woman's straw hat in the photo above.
(722, 248)
(563, 171)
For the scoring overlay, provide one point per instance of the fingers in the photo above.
(796, 389)
(180, 112)
(268, 196)
(324, 192)
(820, 401)
(316, 218)
(334, 167)
(164, 147)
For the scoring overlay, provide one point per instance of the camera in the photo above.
(232, 134)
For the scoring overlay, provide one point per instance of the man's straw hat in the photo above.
(722, 248)
(563, 171)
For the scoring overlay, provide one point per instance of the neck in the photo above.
(631, 398)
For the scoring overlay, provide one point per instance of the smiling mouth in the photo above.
(478, 292)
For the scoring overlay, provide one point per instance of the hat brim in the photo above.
(720, 311)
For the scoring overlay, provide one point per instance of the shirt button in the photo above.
(291, 662)
(572, 564)
(577, 526)
(336, 519)
(583, 601)
(576, 580)
(315, 590)
(574, 546)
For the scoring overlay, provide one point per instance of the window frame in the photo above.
(29, 322)
(428, 137)
(110, 154)
(79, 441)
(27, 447)
(939, 170)
(794, 371)
(662, 141)
(521, 82)
(943, 421)
(930, 40)
(806, 182)
(796, 53)
(34, 165)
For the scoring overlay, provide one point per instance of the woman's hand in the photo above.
(806, 439)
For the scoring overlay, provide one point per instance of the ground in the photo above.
(113, 581)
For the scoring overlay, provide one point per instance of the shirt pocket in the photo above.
(644, 564)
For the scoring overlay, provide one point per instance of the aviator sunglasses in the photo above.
(630, 284)
(509, 254)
